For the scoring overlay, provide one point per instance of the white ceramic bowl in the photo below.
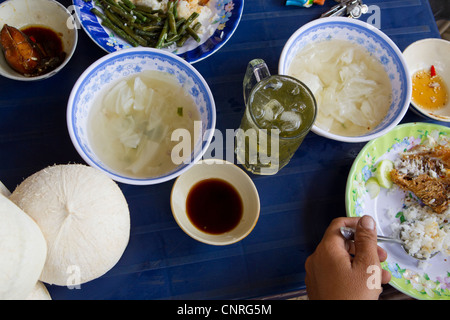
(421, 55)
(378, 44)
(220, 169)
(47, 13)
(122, 64)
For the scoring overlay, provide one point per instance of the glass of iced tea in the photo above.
(280, 111)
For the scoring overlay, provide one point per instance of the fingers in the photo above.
(385, 276)
(366, 248)
(333, 231)
(332, 241)
(350, 246)
(365, 239)
(332, 272)
(382, 254)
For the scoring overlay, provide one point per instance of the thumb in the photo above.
(366, 248)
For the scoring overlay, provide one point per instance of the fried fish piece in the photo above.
(426, 173)
(20, 52)
(431, 191)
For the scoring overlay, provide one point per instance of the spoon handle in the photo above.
(387, 239)
(349, 234)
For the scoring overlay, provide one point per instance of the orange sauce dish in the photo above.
(429, 90)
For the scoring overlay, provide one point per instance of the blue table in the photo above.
(297, 204)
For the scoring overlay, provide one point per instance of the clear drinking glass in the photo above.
(280, 111)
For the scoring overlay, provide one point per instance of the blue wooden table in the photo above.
(297, 204)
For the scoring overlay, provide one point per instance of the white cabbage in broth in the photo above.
(132, 122)
(352, 89)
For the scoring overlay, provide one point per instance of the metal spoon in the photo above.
(349, 234)
(351, 8)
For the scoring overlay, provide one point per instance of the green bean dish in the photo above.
(144, 26)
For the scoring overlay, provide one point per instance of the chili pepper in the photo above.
(432, 71)
(304, 3)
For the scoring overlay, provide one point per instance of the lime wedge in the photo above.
(383, 173)
(372, 187)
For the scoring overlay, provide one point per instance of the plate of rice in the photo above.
(213, 25)
(415, 206)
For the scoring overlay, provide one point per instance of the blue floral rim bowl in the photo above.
(122, 64)
(227, 16)
(378, 45)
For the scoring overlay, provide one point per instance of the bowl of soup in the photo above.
(141, 115)
(356, 73)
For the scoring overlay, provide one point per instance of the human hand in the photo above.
(332, 273)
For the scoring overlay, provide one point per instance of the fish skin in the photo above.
(432, 191)
(20, 53)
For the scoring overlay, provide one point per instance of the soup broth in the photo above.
(351, 87)
(132, 122)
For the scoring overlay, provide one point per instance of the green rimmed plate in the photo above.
(425, 281)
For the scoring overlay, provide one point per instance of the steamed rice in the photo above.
(424, 232)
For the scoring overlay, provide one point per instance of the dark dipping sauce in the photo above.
(50, 44)
(214, 206)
